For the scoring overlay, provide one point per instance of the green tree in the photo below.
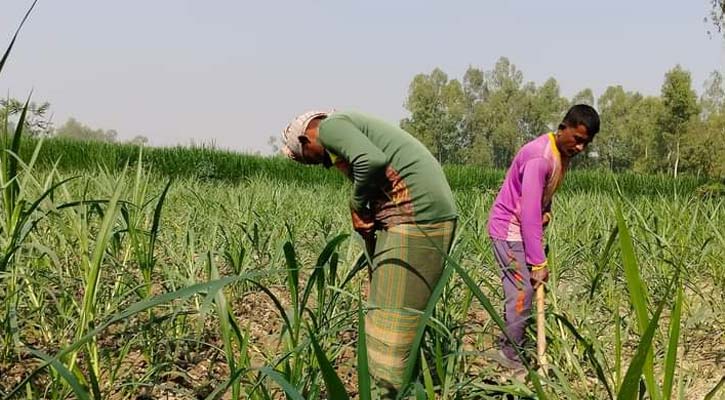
(437, 107)
(590, 158)
(475, 86)
(704, 144)
(139, 140)
(36, 121)
(614, 143)
(485, 119)
(680, 105)
(544, 107)
(585, 96)
(75, 130)
(713, 98)
(717, 16)
(476, 91)
(716, 147)
(702, 152)
(644, 127)
(499, 116)
(515, 112)
(628, 125)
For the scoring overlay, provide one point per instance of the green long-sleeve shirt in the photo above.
(393, 174)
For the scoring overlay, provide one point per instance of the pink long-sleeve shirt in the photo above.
(517, 213)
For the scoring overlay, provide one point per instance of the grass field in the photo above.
(194, 273)
(206, 163)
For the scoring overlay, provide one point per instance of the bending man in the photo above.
(401, 205)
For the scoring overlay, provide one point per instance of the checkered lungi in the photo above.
(408, 263)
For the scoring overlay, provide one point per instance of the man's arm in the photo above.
(367, 162)
(532, 190)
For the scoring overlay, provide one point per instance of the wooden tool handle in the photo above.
(540, 328)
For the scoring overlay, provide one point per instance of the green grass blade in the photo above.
(589, 351)
(332, 276)
(313, 279)
(363, 370)
(25, 227)
(330, 248)
(277, 303)
(427, 378)
(420, 393)
(602, 262)
(335, 388)
(219, 391)
(34, 206)
(438, 358)
(11, 160)
(293, 272)
(29, 211)
(630, 384)
(95, 262)
(671, 357)
(360, 263)
(64, 372)
(711, 395)
(434, 296)
(15, 144)
(93, 379)
(637, 295)
(292, 393)
(318, 276)
(225, 323)
(92, 274)
(15, 36)
(209, 287)
(617, 346)
(157, 222)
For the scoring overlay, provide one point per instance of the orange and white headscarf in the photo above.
(291, 145)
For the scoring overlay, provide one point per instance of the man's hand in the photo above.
(539, 275)
(363, 223)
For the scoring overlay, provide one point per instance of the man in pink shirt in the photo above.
(520, 213)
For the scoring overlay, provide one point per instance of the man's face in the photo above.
(573, 140)
(312, 150)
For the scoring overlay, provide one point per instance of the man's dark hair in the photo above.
(582, 114)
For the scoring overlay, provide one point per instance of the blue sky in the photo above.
(235, 72)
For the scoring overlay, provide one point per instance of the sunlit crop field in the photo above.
(138, 283)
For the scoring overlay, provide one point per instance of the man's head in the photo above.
(299, 138)
(577, 130)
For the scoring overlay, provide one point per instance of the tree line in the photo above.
(38, 124)
(486, 116)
